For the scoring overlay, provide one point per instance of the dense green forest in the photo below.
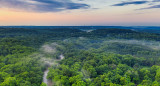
(102, 57)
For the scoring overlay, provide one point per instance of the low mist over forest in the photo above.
(79, 56)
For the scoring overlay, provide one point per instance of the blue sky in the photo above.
(80, 12)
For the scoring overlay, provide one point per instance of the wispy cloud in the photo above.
(151, 7)
(42, 5)
(153, 4)
(129, 3)
(156, 0)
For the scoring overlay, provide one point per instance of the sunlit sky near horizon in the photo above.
(80, 12)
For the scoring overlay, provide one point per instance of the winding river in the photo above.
(45, 80)
(48, 81)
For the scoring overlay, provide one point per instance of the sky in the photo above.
(80, 12)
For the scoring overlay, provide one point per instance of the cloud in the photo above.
(42, 5)
(156, 0)
(151, 7)
(129, 3)
(153, 4)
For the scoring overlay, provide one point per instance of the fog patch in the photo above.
(48, 54)
(48, 61)
(151, 44)
(86, 74)
(61, 57)
(88, 30)
(49, 48)
(82, 38)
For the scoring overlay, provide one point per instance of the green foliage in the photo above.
(91, 58)
(10, 81)
(16, 66)
(97, 67)
(43, 84)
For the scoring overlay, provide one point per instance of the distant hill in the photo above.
(149, 29)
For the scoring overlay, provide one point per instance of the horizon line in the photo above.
(81, 25)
